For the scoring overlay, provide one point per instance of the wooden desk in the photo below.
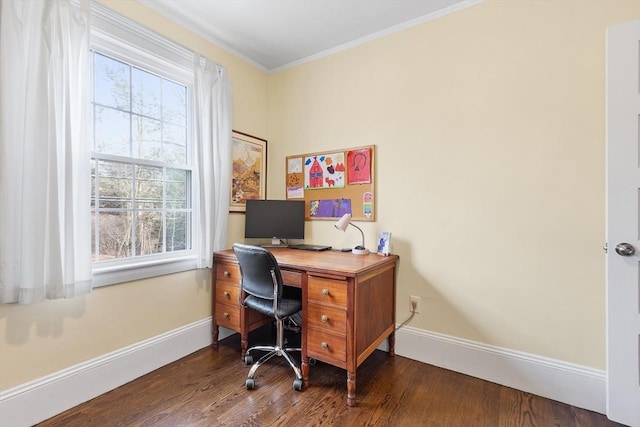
(348, 305)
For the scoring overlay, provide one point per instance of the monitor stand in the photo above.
(275, 243)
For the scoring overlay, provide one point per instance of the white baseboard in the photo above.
(557, 380)
(38, 400)
(43, 398)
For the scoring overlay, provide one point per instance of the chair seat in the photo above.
(287, 307)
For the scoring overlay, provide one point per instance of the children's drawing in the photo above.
(324, 171)
(359, 166)
(294, 165)
(367, 204)
(294, 185)
(329, 208)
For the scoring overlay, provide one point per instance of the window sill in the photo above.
(111, 275)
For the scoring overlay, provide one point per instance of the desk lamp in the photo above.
(342, 225)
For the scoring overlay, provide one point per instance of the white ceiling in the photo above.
(277, 34)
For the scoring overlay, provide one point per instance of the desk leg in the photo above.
(244, 329)
(351, 388)
(304, 367)
(216, 332)
(392, 344)
(244, 342)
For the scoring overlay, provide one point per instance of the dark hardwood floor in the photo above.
(207, 388)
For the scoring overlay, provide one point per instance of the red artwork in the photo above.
(315, 174)
(359, 166)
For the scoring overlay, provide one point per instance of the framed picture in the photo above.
(248, 170)
(384, 243)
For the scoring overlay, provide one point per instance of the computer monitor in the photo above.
(274, 219)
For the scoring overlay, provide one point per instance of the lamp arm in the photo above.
(360, 233)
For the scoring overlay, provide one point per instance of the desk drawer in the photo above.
(228, 273)
(326, 346)
(327, 318)
(228, 316)
(227, 294)
(327, 291)
(292, 278)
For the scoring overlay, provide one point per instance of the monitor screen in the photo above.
(279, 219)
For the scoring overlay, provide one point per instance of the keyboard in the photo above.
(307, 247)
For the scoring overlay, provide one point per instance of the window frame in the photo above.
(117, 37)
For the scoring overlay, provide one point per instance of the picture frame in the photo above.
(248, 170)
(384, 243)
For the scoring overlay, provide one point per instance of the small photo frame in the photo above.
(248, 170)
(384, 243)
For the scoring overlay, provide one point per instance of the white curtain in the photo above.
(213, 156)
(45, 177)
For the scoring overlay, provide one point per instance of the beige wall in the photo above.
(41, 339)
(489, 127)
(490, 133)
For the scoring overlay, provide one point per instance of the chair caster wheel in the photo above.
(250, 383)
(248, 359)
(297, 384)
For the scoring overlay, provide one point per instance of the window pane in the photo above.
(115, 234)
(177, 231)
(177, 189)
(138, 202)
(115, 185)
(174, 103)
(146, 90)
(111, 81)
(149, 233)
(146, 138)
(112, 134)
(175, 144)
(148, 187)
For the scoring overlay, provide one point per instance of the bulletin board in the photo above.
(334, 182)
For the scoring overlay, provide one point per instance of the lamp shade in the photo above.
(343, 222)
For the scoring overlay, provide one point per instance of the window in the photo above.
(141, 163)
(140, 170)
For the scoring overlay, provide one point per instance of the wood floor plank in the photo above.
(207, 388)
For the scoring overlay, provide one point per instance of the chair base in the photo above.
(276, 350)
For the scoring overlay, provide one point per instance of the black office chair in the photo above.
(262, 285)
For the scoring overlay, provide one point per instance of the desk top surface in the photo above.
(331, 262)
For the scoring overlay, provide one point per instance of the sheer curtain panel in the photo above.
(45, 177)
(213, 97)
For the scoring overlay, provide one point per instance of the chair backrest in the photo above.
(259, 269)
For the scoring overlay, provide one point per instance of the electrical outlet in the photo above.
(414, 304)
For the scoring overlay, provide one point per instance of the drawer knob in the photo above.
(325, 292)
(324, 318)
(226, 315)
(226, 294)
(324, 345)
(227, 274)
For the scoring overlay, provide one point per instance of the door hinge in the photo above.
(606, 247)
